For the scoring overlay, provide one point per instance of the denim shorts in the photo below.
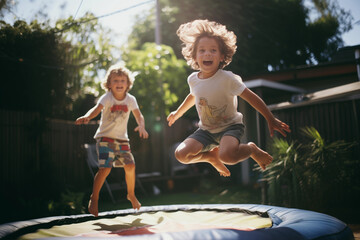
(113, 153)
(212, 140)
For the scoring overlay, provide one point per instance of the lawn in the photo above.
(211, 189)
(206, 191)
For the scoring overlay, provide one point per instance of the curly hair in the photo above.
(190, 33)
(119, 70)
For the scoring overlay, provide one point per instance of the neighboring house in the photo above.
(342, 69)
(308, 95)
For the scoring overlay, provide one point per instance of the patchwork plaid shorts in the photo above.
(113, 153)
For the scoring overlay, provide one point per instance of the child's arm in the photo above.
(188, 102)
(141, 123)
(273, 123)
(93, 112)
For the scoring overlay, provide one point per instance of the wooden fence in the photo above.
(337, 120)
(334, 120)
(49, 154)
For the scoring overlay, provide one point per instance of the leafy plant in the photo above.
(57, 66)
(284, 32)
(160, 83)
(310, 172)
(69, 203)
(327, 169)
(284, 173)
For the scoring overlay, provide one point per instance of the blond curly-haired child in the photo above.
(112, 145)
(208, 47)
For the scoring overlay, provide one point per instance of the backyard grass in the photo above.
(205, 192)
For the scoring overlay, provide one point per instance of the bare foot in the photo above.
(93, 207)
(261, 157)
(217, 164)
(134, 202)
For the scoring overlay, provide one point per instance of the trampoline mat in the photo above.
(157, 222)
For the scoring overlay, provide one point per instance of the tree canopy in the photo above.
(271, 34)
(44, 69)
(31, 65)
(161, 78)
(56, 70)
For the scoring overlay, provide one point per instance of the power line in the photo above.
(29, 62)
(122, 10)
(78, 9)
(102, 16)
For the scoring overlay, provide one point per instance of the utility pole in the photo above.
(162, 105)
(158, 24)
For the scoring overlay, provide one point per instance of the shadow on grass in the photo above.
(206, 191)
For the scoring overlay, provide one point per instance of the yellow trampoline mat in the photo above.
(155, 222)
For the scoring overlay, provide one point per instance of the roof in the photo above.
(347, 91)
(343, 63)
(274, 85)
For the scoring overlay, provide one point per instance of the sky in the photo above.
(121, 23)
(353, 37)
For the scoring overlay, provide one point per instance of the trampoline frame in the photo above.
(288, 223)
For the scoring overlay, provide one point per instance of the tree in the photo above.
(272, 34)
(89, 50)
(51, 66)
(5, 5)
(326, 30)
(31, 68)
(161, 79)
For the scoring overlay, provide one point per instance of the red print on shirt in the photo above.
(119, 108)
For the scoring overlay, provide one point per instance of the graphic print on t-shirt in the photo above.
(118, 112)
(211, 115)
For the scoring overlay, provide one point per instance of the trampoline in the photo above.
(179, 222)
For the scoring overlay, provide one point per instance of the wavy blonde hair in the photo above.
(119, 70)
(190, 33)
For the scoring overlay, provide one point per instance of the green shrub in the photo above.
(69, 203)
(310, 173)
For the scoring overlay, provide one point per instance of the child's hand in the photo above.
(82, 120)
(279, 126)
(142, 132)
(172, 118)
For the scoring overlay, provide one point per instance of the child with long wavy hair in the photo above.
(208, 47)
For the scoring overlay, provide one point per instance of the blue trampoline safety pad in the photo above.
(179, 222)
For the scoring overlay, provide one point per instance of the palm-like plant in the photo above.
(311, 173)
(283, 173)
(327, 169)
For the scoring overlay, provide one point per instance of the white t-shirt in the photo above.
(216, 99)
(115, 116)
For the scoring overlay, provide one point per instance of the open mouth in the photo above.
(207, 63)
